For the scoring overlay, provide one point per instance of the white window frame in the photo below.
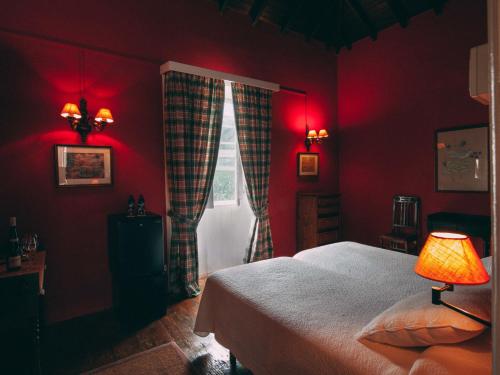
(238, 181)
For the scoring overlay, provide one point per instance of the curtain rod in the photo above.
(293, 90)
(191, 69)
(78, 45)
(196, 70)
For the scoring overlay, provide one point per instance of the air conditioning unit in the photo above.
(479, 82)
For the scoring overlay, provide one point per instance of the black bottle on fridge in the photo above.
(137, 263)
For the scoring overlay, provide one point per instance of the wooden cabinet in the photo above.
(20, 300)
(318, 219)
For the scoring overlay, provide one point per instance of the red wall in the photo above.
(393, 95)
(39, 76)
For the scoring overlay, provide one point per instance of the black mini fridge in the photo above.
(137, 263)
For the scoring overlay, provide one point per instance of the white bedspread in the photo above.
(296, 316)
(361, 261)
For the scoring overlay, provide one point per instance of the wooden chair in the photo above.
(405, 232)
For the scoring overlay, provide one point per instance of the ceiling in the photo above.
(335, 23)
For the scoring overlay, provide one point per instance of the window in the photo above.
(228, 169)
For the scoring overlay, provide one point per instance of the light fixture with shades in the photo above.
(451, 258)
(79, 118)
(311, 135)
(82, 122)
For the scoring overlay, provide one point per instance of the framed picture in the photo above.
(83, 165)
(307, 164)
(462, 159)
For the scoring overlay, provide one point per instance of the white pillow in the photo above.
(415, 321)
(471, 357)
(487, 264)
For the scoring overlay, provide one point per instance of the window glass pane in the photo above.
(226, 146)
(228, 91)
(225, 189)
(226, 153)
(224, 185)
(228, 135)
(226, 162)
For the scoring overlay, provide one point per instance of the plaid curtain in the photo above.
(193, 120)
(252, 108)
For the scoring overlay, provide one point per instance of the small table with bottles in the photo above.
(20, 298)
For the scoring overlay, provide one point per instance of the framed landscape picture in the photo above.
(307, 164)
(462, 159)
(83, 165)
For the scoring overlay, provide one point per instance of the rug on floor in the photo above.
(165, 359)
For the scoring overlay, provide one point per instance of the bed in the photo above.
(300, 315)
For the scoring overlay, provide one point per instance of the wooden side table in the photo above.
(20, 297)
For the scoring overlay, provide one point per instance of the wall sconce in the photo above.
(313, 137)
(82, 122)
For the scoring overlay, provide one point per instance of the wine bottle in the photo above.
(14, 251)
(141, 206)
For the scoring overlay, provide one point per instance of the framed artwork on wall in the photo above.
(462, 159)
(307, 164)
(83, 165)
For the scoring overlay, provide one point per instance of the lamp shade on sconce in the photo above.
(452, 259)
(323, 133)
(70, 110)
(104, 115)
(312, 134)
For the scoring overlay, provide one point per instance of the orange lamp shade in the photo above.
(312, 134)
(323, 133)
(451, 258)
(71, 110)
(104, 115)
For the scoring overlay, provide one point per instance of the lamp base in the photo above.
(436, 300)
(436, 293)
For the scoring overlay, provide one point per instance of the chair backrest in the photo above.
(405, 214)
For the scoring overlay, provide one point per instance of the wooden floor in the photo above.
(89, 342)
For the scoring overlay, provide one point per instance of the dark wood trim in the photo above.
(360, 11)
(56, 166)
(399, 11)
(256, 10)
(462, 127)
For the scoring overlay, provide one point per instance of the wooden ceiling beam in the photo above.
(346, 41)
(399, 11)
(222, 5)
(360, 11)
(256, 10)
(333, 41)
(338, 38)
(319, 17)
(293, 12)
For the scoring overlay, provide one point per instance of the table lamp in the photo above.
(452, 259)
